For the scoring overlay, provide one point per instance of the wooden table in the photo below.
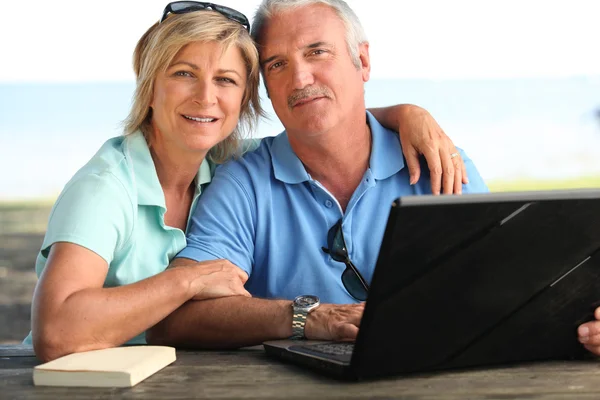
(249, 374)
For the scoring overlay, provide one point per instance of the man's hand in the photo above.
(334, 322)
(212, 279)
(589, 334)
(421, 134)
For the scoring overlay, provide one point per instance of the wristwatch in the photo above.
(301, 306)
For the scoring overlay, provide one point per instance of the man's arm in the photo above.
(223, 228)
(238, 321)
(235, 322)
(421, 134)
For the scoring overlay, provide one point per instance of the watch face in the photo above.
(306, 301)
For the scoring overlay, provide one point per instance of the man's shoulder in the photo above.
(252, 163)
(376, 125)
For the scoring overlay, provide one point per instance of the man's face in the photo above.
(312, 82)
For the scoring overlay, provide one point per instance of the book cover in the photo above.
(114, 367)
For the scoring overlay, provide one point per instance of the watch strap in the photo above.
(298, 323)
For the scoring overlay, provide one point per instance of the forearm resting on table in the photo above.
(227, 322)
(97, 318)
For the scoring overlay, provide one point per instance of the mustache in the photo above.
(306, 93)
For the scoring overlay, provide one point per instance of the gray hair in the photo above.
(355, 34)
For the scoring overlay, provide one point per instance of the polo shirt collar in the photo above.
(386, 152)
(149, 191)
(386, 155)
(287, 167)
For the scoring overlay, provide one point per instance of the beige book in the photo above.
(116, 367)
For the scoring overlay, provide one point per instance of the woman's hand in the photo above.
(213, 279)
(421, 134)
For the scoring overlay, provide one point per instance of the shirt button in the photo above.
(329, 204)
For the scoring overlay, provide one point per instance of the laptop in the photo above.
(472, 280)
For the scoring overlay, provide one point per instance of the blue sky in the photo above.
(435, 39)
(461, 59)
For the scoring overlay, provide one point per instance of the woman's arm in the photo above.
(72, 312)
(421, 134)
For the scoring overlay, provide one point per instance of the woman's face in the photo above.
(197, 101)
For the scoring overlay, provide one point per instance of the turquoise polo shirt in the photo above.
(267, 215)
(115, 207)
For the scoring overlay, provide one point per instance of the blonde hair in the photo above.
(157, 48)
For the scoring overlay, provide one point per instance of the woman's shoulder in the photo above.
(105, 178)
(109, 170)
(96, 209)
(110, 158)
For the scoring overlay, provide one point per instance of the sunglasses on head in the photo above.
(183, 7)
(353, 281)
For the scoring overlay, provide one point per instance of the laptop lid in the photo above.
(481, 279)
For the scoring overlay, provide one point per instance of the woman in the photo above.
(102, 267)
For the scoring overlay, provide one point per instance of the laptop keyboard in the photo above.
(336, 351)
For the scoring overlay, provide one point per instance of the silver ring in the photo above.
(454, 155)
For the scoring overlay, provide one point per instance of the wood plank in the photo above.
(249, 374)
(18, 350)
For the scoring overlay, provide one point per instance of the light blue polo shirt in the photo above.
(266, 215)
(115, 207)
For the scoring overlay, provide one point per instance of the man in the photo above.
(334, 170)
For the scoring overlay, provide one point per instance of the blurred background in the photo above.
(516, 83)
